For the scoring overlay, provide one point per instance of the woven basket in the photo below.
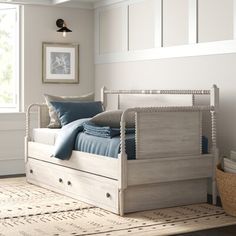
(226, 183)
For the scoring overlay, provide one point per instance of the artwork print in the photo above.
(60, 63)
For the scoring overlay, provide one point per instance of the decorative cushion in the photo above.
(71, 111)
(113, 118)
(54, 120)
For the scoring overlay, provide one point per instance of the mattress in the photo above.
(45, 135)
(88, 143)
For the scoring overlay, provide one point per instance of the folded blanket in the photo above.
(103, 131)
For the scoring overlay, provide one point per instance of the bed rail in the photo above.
(42, 116)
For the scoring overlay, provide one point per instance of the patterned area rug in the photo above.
(28, 210)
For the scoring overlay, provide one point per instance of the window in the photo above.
(9, 58)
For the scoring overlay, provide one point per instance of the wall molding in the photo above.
(193, 48)
(158, 23)
(69, 3)
(193, 22)
(201, 49)
(104, 3)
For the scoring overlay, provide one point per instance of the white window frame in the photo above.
(16, 106)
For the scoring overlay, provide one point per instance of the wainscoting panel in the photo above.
(175, 22)
(142, 25)
(113, 29)
(215, 20)
(12, 132)
(134, 30)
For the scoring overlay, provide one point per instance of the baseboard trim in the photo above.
(12, 176)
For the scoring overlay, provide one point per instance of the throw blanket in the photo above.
(100, 131)
(103, 131)
(65, 141)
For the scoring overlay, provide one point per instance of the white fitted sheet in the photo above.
(45, 135)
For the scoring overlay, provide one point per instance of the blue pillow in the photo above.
(71, 111)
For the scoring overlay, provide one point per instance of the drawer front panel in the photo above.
(90, 188)
(94, 189)
(48, 175)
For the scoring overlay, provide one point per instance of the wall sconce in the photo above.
(63, 28)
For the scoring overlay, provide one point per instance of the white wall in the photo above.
(181, 73)
(39, 25)
(195, 72)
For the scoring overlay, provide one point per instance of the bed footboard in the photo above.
(169, 132)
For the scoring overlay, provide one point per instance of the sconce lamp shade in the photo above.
(64, 29)
(62, 25)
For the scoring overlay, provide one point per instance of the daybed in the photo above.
(169, 168)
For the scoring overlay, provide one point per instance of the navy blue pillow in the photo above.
(71, 111)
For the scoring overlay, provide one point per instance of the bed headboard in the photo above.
(153, 98)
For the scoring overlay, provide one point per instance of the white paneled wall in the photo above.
(207, 57)
(215, 20)
(142, 25)
(133, 30)
(175, 22)
(112, 18)
(12, 132)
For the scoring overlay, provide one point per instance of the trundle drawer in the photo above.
(90, 188)
(46, 175)
(94, 189)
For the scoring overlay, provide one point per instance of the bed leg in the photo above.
(214, 185)
(26, 149)
(121, 202)
(214, 192)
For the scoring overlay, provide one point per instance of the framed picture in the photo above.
(60, 63)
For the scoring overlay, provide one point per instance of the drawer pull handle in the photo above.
(108, 195)
(31, 171)
(60, 180)
(69, 183)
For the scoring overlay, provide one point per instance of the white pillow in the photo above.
(113, 118)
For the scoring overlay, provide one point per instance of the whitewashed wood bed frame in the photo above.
(165, 173)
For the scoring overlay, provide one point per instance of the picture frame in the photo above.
(60, 63)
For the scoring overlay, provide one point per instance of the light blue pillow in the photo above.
(71, 111)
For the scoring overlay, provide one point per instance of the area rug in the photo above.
(28, 210)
